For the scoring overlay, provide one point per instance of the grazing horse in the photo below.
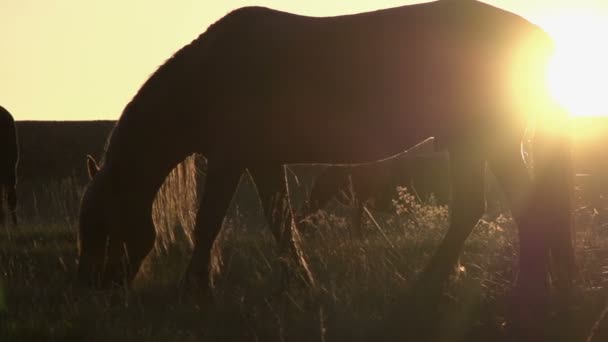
(9, 156)
(262, 88)
(374, 184)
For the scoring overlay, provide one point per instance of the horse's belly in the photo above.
(350, 144)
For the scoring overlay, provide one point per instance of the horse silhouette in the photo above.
(424, 172)
(374, 184)
(9, 157)
(262, 88)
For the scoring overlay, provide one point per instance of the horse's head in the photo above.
(115, 231)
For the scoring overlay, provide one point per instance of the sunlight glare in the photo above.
(578, 71)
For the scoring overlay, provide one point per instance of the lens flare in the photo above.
(578, 71)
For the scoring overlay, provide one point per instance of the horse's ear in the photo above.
(92, 166)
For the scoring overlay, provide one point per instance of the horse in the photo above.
(261, 89)
(423, 171)
(9, 157)
(373, 185)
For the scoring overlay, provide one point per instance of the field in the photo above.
(363, 281)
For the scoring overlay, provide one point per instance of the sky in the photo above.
(85, 59)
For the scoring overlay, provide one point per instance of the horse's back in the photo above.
(370, 85)
(345, 89)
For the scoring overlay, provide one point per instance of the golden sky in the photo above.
(85, 59)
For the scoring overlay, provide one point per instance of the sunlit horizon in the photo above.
(73, 60)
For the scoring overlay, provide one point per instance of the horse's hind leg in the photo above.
(220, 184)
(554, 185)
(467, 207)
(513, 177)
(271, 183)
(528, 304)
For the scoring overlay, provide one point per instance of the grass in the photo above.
(363, 281)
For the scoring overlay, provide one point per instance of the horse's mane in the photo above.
(159, 78)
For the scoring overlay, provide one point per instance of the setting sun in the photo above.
(578, 70)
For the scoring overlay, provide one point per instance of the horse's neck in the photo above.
(141, 155)
(149, 141)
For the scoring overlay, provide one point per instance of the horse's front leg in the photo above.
(220, 185)
(467, 207)
(271, 183)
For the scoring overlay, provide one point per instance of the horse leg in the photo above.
(553, 190)
(220, 185)
(467, 207)
(529, 297)
(271, 183)
(513, 177)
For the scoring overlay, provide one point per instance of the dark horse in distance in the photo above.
(262, 88)
(423, 171)
(9, 157)
(373, 185)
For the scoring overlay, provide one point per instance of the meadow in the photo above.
(363, 281)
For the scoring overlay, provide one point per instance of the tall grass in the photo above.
(363, 281)
(176, 204)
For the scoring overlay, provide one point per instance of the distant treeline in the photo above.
(55, 150)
